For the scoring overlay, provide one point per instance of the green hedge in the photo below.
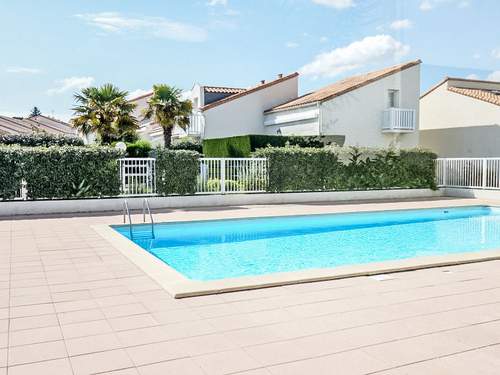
(62, 172)
(40, 139)
(346, 168)
(187, 144)
(10, 171)
(176, 171)
(243, 146)
(139, 149)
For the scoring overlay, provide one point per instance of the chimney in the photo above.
(280, 75)
(262, 81)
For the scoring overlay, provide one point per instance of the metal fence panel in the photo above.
(138, 176)
(472, 173)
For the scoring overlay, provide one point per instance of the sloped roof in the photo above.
(223, 90)
(342, 87)
(468, 82)
(10, 125)
(249, 91)
(490, 96)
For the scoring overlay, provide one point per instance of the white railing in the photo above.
(470, 173)
(232, 175)
(137, 176)
(399, 120)
(196, 124)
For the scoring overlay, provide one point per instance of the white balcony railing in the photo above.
(196, 124)
(399, 120)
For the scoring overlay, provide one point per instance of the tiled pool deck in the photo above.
(72, 304)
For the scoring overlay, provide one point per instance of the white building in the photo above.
(461, 118)
(374, 109)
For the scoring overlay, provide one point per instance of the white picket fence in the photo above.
(471, 173)
(216, 176)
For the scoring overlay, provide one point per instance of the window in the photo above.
(393, 98)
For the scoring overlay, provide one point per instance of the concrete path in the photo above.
(71, 304)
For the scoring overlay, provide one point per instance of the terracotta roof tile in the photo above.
(9, 125)
(223, 90)
(489, 96)
(342, 87)
(249, 91)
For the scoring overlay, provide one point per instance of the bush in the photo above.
(61, 172)
(139, 149)
(10, 171)
(243, 146)
(347, 168)
(40, 139)
(187, 144)
(176, 171)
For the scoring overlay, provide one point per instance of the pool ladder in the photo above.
(145, 209)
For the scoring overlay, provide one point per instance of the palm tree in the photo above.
(167, 109)
(105, 111)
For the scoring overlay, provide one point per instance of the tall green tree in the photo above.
(105, 111)
(35, 112)
(167, 109)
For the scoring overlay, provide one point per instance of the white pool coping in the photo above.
(180, 286)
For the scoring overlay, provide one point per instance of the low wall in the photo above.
(116, 204)
(471, 193)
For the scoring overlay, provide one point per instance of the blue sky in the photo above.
(50, 49)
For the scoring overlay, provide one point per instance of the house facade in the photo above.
(376, 109)
(461, 118)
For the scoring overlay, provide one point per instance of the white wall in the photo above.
(245, 115)
(442, 108)
(358, 114)
(296, 121)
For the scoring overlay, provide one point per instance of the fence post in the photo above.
(223, 175)
(485, 171)
(445, 171)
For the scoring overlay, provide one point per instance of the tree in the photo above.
(35, 112)
(105, 111)
(167, 109)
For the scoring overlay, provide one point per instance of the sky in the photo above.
(51, 49)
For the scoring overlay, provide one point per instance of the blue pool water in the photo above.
(210, 250)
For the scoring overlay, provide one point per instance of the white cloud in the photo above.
(291, 44)
(401, 24)
(496, 53)
(71, 83)
(426, 5)
(212, 3)
(23, 70)
(372, 49)
(472, 76)
(137, 93)
(494, 76)
(337, 4)
(158, 27)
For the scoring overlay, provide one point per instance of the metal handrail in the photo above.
(145, 205)
(126, 211)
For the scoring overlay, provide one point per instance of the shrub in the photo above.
(347, 168)
(60, 172)
(40, 139)
(242, 146)
(176, 171)
(65, 172)
(10, 171)
(139, 149)
(187, 144)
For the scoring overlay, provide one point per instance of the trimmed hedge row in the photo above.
(40, 139)
(176, 171)
(60, 172)
(243, 146)
(347, 168)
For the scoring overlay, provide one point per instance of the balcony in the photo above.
(196, 125)
(399, 120)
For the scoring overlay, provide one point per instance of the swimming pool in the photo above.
(221, 249)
